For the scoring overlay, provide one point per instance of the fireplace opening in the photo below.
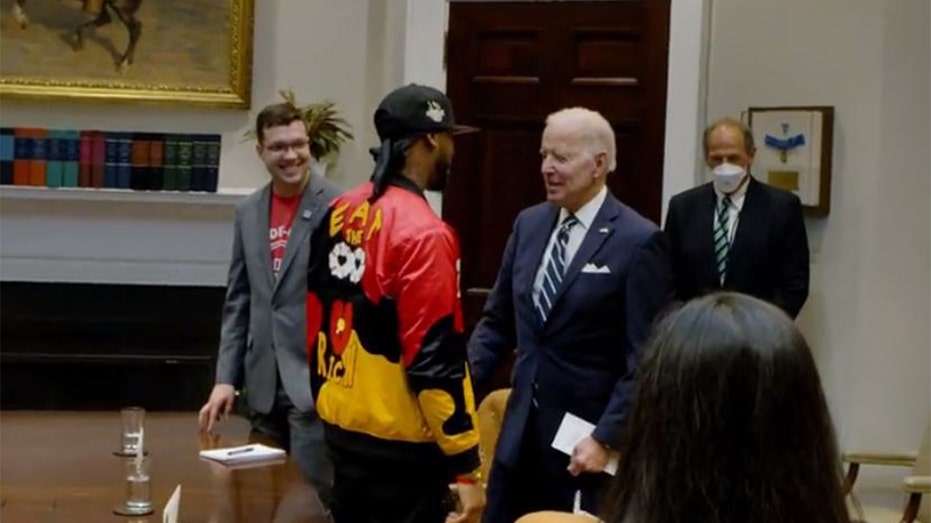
(69, 346)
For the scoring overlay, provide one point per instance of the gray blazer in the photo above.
(264, 318)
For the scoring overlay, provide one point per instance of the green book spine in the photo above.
(71, 158)
(170, 165)
(54, 167)
(185, 159)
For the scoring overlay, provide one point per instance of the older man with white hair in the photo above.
(582, 278)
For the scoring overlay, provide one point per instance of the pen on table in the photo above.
(240, 451)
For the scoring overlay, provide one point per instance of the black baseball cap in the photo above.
(414, 110)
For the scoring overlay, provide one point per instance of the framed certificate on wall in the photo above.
(794, 146)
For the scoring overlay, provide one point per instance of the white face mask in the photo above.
(727, 177)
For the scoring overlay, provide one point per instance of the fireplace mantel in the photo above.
(116, 236)
(227, 196)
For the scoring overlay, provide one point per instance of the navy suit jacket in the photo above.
(583, 357)
(769, 257)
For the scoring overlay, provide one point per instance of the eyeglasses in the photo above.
(282, 147)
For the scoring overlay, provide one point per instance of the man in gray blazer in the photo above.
(263, 341)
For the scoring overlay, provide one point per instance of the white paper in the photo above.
(574, 429)
(244, 454)
(170, 512)
(577, 506)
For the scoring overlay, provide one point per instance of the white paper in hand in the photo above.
(574, 429)
(244, 454)
(173, 507)
(577, 506)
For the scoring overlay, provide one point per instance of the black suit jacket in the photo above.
(769, 256)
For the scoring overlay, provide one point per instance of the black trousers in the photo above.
(301, 435)
(369, 489)
(539, 481)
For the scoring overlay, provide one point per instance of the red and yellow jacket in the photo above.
(385, 338)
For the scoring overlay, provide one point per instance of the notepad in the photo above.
(255, 452)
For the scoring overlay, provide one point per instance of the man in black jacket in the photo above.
(736, 233)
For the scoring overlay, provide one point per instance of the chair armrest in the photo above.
(895, 459)
(855, 459)
(917, 484)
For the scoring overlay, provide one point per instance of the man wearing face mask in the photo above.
(582, 278)
(736, 233)
(387, 354)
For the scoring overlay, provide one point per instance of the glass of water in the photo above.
(133, 420)
(138, 497)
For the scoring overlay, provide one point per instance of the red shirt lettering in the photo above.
(282, 214)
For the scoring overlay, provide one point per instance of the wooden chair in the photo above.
(913, 486)
(490, 416)
(549, 516)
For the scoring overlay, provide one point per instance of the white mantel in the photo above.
(115, 236)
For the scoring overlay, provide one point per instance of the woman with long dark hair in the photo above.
(730, 423)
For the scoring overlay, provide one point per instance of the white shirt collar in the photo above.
(586, 213)
(737, 197)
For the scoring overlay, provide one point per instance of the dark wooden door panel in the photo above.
(508, 177)
(510, 64)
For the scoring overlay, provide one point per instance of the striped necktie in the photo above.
(555, 268)
(722, 242)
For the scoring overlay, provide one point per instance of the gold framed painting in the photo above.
(177, 52)
(794, 148)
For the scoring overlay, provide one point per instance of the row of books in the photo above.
(106, 159)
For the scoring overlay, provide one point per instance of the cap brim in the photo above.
(464, 129)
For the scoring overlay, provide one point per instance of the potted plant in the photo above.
(327, 130)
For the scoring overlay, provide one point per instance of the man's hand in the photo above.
(471, 500)
(219, 403)
(588, 456)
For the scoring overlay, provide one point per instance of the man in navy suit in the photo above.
(736, 233)
(582, 278)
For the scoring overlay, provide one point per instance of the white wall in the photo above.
(867, 318)
(423, 58)
(689, 29)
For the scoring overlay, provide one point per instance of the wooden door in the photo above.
(510, 64)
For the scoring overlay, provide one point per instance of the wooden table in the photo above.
(59, 466)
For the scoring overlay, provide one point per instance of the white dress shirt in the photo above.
(585, 215)
(733, 212)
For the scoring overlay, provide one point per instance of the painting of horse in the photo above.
(197, 51)
(124, 10)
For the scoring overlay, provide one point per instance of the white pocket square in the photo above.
(591, 268)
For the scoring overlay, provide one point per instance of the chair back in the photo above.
(923, 468)
(490, 417)
(550, 516)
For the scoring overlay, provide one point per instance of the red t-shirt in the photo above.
(282, 214)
